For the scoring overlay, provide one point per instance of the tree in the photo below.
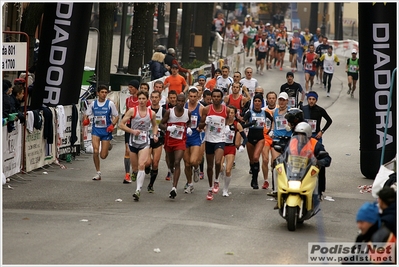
(136, 52)
(313, 20)
(149, 37)
(161, 18)
(172, 24)
(31, 18)
(186, 32)
(106, 28)
(202, 26)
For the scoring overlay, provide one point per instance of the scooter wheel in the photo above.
(291, 218)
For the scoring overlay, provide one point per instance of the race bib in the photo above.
(268, 123)
(352, 68)
(230, 137)
(329, 68)
(260, 121)
(312, 124)
(281, 122)
(100, 121)
(308, 66)
(139, 139)
(194, 121)
(291, 101)
(178, 133)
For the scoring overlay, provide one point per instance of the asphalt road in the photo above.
(64, 217)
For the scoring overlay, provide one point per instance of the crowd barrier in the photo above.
(39, 153)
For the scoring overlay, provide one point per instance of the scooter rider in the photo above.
(305, 141)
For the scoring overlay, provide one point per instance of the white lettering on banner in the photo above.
(64, 144)
(34, 149)
(382, 81)
(58, 53)
(13, 56)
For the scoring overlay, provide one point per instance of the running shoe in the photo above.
(97, 177)
(265, 185)
(136, 195)
(281, 68)
(328, 94)
(133, 176)
(150, 189)
(127, 179)
(196, 175)
(189, 189)
(215, 188)
(172, 193)
(272, 194)
(352, 95)
(234, 164)
(167, 178)
(185, 186)
(209, 196)
(349, 91)
(225, 192)
(201, 175)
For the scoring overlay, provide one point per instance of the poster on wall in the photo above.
(12, 150)
(34, 149)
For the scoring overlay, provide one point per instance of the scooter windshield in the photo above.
(298, 157)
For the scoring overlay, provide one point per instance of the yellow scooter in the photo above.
(297, 186)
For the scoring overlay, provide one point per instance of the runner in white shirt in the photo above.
(249, 82)
(223, 82)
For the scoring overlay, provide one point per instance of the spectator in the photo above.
(170, 59)
(387, 203)
(6, 100)
(17, 98)
(157, 66)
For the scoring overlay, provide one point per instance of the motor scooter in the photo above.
(297, 184)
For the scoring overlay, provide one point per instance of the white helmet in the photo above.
(304, 127)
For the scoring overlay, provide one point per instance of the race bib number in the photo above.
(329, 68)
(268, 123)
(260, 121)
(291, 101)
(281, 122)
(141, 138)
(308, 66)
(100, 121)
(312, 124)
(230, 137)
(194, 121)
(178, 133)
(352, 68)
(281, 46)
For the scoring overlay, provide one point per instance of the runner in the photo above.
(155, 147)
(192, 156)
(176, 123)
(141, 118)
(310, 64)
(214, 117)
(233, 142)
(105, 117)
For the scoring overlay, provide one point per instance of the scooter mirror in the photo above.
(322, 155)
(278, 148)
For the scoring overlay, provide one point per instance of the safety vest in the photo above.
(306, 151)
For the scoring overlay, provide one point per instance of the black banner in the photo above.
(62, 52)
(377, 58)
